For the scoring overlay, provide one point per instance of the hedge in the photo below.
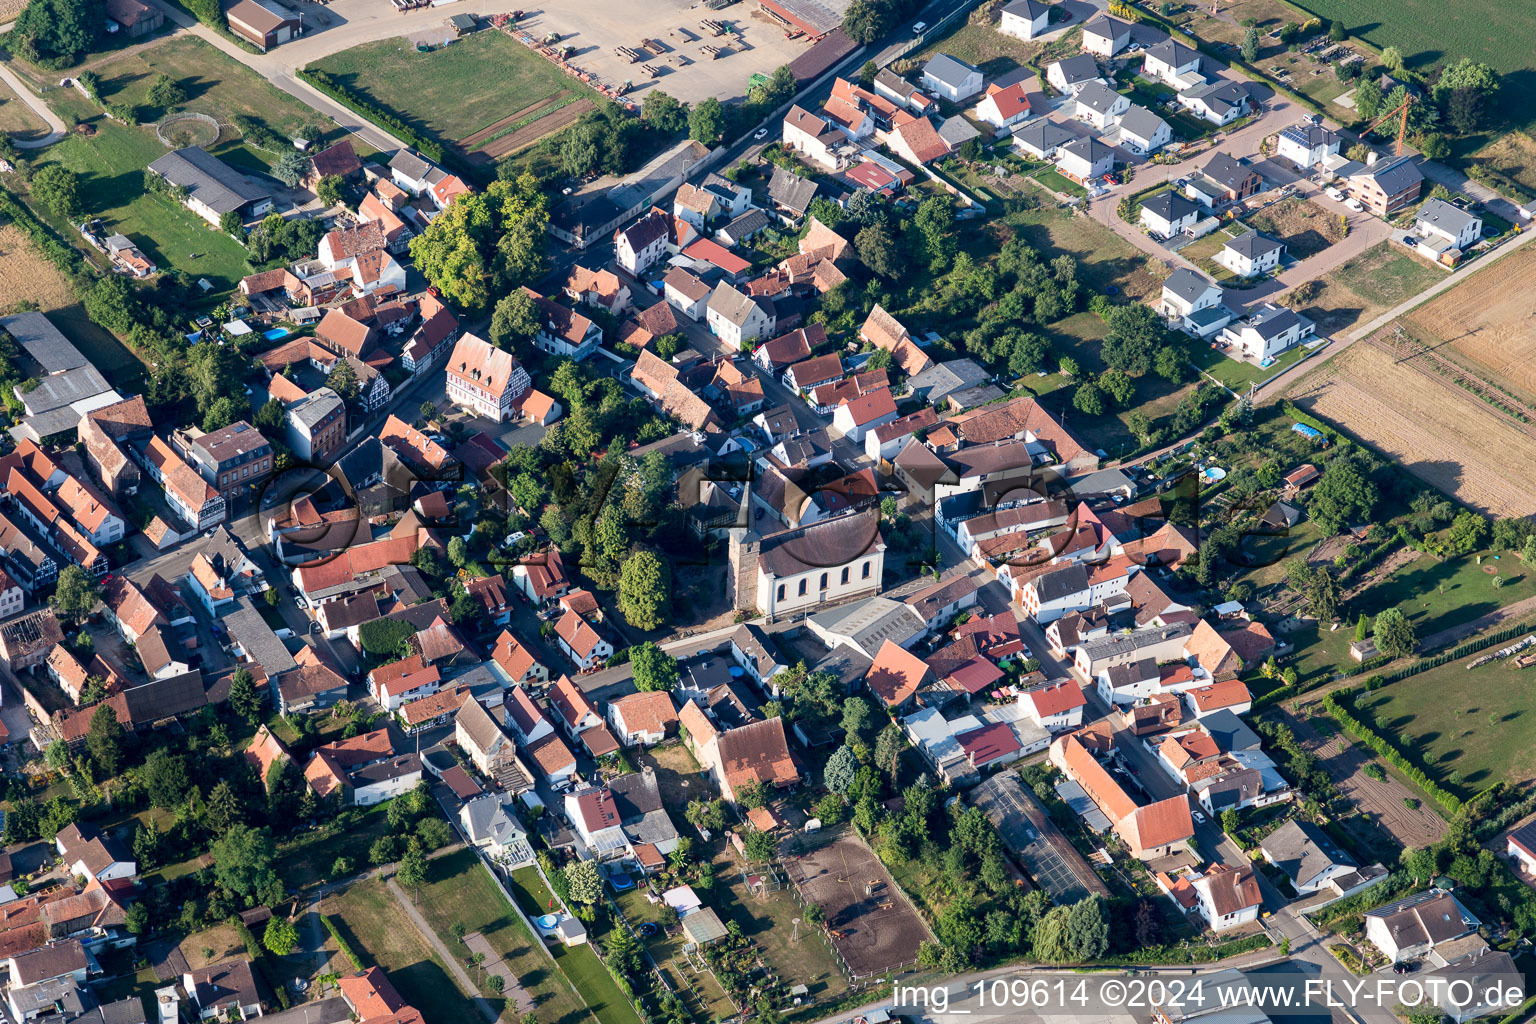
(1384, 749)
(378, 115)
(342, 944)
(382, 637)
(47, 243)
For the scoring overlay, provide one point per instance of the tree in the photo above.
(104, 740)
(331, 190)
(1344, 494)
(655, 669)
(1421, 863)
(75, 594)
(1395, 634)
(57, 33)
(645, 590)
(222, 413)
(343, 380)
(1337, 33)
(759, 846)
(867, 74)
(487, 243)
(223, 809)
(270, 417)
(1362, 627)
(1119, 386)
(281, 936)
(1368, 97)
(1134, 334)
(1068, 367)
(1086, 931)
(1229, 821)
(242, 862)
(164, 775)
(856, 716)
(165, 93)
(1392, 60)
(935, 218)
(878, 251)
(243, 698)
(868, 20)
(1089, 398)
(584, 882)
(579, 150)
(1251, 44)
(706, 122)
(515, 322)
(1322, 596)
(706, 815)
(841, 768)
(57, 755)
(1434, 146)
(412, 872)
(663, 112)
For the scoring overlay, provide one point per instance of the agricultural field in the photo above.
(18, 119)
(25, 275)
(486, 93)
(373, 923)
(1485, 322)
(1367, 286)
(1430, 32)
(9, 9)
(1305, 228)
(1441, 434)
(1468, 728)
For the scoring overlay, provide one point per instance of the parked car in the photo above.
(1334, 194)
(1354, 204)
(919, 28)
(760, 134)
(1198, 816)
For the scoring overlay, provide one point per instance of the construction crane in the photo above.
(1402, 128)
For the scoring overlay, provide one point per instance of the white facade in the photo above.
(1100, 105)
(366, 793)
(1024, 20)
(1437, 219)
(1105, 37)
(1250, 264)
(1087, 162)
(781, 596)
(1155, 222)
(1218, 921)
(1170, 72)
(690, 308)
(1136, 136)
(842, 421)
(959, 81)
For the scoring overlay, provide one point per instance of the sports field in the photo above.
(487, 92)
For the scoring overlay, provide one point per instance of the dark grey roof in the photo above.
(409, 164)
(1043, 135)
(1310, 135)
(1253, 245)
(165, 698)
(957, 131)
(939, 379)
(208, 179)
(749, 223)
(754, 642)
(44, 342)
(1080, 67)
(57, 390)
(1173, 52)
(1098, 97)
(950, 70)
(1061, 582)
(846, 663)
(315, 406)
(385, 771)
(1220, 95)
(1089, 149)
(871, 622)
(1229, 731)
(1272, 320)
(1140, 122)
(1027, 9)
(791, 191)
(257, 639)
(1135, 640)
(1108, 28)
(1227, 170)
(1171, 206)
(1303, 851)
(1187, 284)
(1444, 216)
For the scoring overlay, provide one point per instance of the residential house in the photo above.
(1072, 73)
(235, 459)
(1386, 186)
(192, 498)
(226, 990)
(886, 440)
(600, 288)
(211, 187)
(1148, 832)
(1158, 643)
(1307, 855)
(1168, 213)
(780, 353)
(1056, 706)
(854, 417)
(1220, 103)
(791, 195)
(1085, 159)
(1445, 227)
(815, 138)
(916, 141)
(1100, 105)
(1024, 19)
(1307, 144)
(902, 92)
(755, 754)
(490, 824)
(541, 576)
(484, 379)
(1251, 254)
(896, 675)
(1232, 177)
(400, 681)
(1173, 64)
(563, 331)
(686, 293)
(695, 205)
(637, 247)
(643, 719)
(580, 641)
(951, 78)
(88, 853)
(594, 816)
(1104, 36)
(1193, 302)
(1143, 132)
(737, 318)
(886, 332)
(1227, 897)
(1520, 847)
(1267, 331)
(490, 750)
(1415, 925)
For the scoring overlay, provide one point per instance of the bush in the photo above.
(342, 944)
(382, 638)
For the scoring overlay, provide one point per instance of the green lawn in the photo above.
(1058, 182)
(1386, 275)
(370, 918)
(1238, 374)
(579, 963)
(461, 892)
(307, 860)
(1468, 728)
(455, 91)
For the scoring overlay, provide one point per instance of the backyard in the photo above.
(485, 81)
(1467, 727)
(1238, 374)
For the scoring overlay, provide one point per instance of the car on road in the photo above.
(1355, 204)
(1199, 817)
(1334, 194)
(919, 28)
(760, 134)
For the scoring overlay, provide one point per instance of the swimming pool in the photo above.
(276, 333)
(548, 920)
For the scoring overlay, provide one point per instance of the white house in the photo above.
(1307, 144)
(1173, 63)
(1307, 855)
(595, 816)
(1251, 254)
(563, 331)
(856, 416)
(1439, 221)
(1004, 106)
(1221, 102)
(698, 206)
(524, 718)
(1521, 848)
(758, 656)
(644, 242)
(737, 318)
(1168, 213)
(1100, 105)
(1143, 132)
(1105, 36)
(490, 825)
(1024, 19)
(1084, 160)
(642, 719)
(87, 853)
(1268, 331)
(1414, 925)
(1055, 706)
(1227, 897)
(685, 293)
(1041, 139)
(384, 780)
(1191, 300)
(1073, 587)
(583, 644)
(951, 78)
(814, 137)
(1072, 73)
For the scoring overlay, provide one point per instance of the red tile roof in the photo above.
(895, 674)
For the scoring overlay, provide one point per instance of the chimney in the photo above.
(1370, 160)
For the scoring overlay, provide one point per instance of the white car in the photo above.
(919, 28)
(1334, 194)
(760, 134)
(1198, 816)
(1354, 204)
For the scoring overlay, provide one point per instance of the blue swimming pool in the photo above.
(276, 333)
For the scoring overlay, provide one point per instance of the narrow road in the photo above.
(55, 125)
(449, 960)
